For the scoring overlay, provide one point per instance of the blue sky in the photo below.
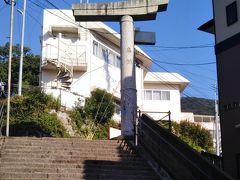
(178, 40)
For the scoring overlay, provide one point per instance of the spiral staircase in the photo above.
(65, 73)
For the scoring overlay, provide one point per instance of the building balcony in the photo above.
(73, 56)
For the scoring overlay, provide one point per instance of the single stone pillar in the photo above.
(128, 77)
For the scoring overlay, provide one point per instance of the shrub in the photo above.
(29, 115)
(90, 129)
(197, 134)
(99, 106)
(193, 134)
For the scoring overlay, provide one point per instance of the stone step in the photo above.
(85, 155)
(101, 163)
(90, 164)
(71, 143)
(60, 140)
(65, 148)
(85, 169)
(60, 176)
(39, 149)
(62, 159)
(82, 152)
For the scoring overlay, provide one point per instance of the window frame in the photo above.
(160, 92)
(232, 13)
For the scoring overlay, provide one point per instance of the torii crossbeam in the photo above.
(124, 12)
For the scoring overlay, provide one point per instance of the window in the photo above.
(206, 119)
(106, 54)
(118, 61)
(156, 95)
(165, 95)
(148, 95)
(95, 48)
(197, 119)
(231, 12)
(111, 58)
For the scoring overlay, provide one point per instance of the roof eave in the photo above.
(208, 27)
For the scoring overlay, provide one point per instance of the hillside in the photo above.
(198, 105)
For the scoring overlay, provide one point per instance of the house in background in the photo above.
(78, 57)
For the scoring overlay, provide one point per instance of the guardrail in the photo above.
(166, 117)
(166, 151)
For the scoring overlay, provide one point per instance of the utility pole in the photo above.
(216, 121)
(10, 66)
(22, 46)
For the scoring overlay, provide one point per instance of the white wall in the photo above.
(222, 30)
(99, 74)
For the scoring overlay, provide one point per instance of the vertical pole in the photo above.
(169, 121)
(216, 122)
(128, 78)
(136, 127)
(10, 66)
(22, 46)
(59, 46)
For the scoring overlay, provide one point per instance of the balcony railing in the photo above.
(74, 55)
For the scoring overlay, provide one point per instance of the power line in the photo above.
(2, 8)
(175, 76)
(71, 20)
(67, 3)
(184, 47)
(185, 64)
(35, 19)
(172, 86)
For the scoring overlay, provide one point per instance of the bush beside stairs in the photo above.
(69, 159)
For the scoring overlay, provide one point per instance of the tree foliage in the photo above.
(93, 120)
(99, 106)
(29, 115)
(194, 135)
(31, 64)
(199, 106)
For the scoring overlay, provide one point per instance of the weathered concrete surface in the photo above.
(128, 78)
(138, 9)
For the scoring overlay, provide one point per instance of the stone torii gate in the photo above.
(124, 12)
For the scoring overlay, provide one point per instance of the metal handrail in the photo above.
(71, 61)
(163, 118)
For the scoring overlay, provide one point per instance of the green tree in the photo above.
(30, 115)
(31, 65)
(99, 106)
(194, 135)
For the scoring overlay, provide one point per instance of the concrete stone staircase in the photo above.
(53, 158)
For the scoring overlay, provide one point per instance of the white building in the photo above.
(79, 57)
